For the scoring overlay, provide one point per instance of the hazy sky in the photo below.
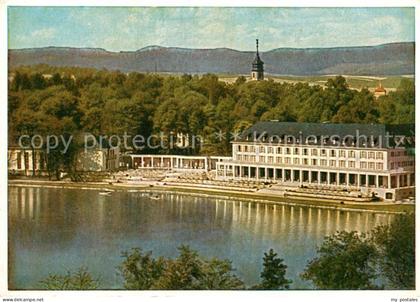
(125, 28)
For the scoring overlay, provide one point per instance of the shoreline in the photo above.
(257, 197)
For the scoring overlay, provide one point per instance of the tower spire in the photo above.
(257, 72)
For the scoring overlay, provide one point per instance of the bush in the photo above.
(79, 280)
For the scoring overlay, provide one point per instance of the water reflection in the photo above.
(53, 230)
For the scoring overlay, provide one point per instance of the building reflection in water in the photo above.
(52, 230)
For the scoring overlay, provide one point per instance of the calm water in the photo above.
(56, 230)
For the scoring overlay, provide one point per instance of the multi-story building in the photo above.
(373, 159)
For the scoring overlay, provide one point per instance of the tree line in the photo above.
(381, 259)
(69, 100)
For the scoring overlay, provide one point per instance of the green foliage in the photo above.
(104, 102)
(396, 247)
(348, 260)
(79, 280)
(187, 271)
(345, 261)
(274, 273)
(140, 270)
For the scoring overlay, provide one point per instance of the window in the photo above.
(314, 152)
(270, 159)
(371, 166)
(379, 155)
(323, 162)
(323, 152)
(19, 160)
(296, 151)
(262, 149)
(278, 150)
(352, 164)
(305, 151)
(342, 153)
(363, 165)
(342, 163)
(371, 155)
(362, 154)
(392, 166)
(287, 150)
(379, 166)
(261, 159)
(332, 163)
(287, 160)
(41, 161)
(305, 161)
(252, 149)
(270, 150)
(35, 162)
(332, 153)
(26, 156)
(314, 162)
(278, 160)
(296, 161)
(238, 148)
(352, 154)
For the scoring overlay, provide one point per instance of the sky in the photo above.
(132, 28)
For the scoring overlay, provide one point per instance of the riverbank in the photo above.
(256, 196)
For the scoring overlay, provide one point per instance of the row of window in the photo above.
(402, 164)
(399, 153)
(309, 151)
(313, 162)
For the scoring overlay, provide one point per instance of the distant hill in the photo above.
(386, 59)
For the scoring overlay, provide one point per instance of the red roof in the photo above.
(380, 89)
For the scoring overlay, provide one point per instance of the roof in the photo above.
(257, 60)
(367, 135)
(380, 89)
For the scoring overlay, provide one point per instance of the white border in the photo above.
(293, 295)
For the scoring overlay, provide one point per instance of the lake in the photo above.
(53, 230)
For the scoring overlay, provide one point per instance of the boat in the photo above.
(105, 193)
(154, 196)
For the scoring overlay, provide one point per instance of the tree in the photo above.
(361, 109)
(79, 280)
(396, 247)
(274, 273)
(345, 261)
(105, 102)
(187, 271)
(140, 270)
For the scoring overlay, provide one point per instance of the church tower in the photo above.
(257, 72)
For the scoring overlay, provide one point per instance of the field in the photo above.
(355, 82)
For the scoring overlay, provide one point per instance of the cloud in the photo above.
(131, 28)
(44, 33)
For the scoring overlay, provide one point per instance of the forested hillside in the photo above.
(77, 100)
(386, 59)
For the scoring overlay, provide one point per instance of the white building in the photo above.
(24, 161)
(20, 160)
(98, 159)
(358, 157)
(175, 162)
